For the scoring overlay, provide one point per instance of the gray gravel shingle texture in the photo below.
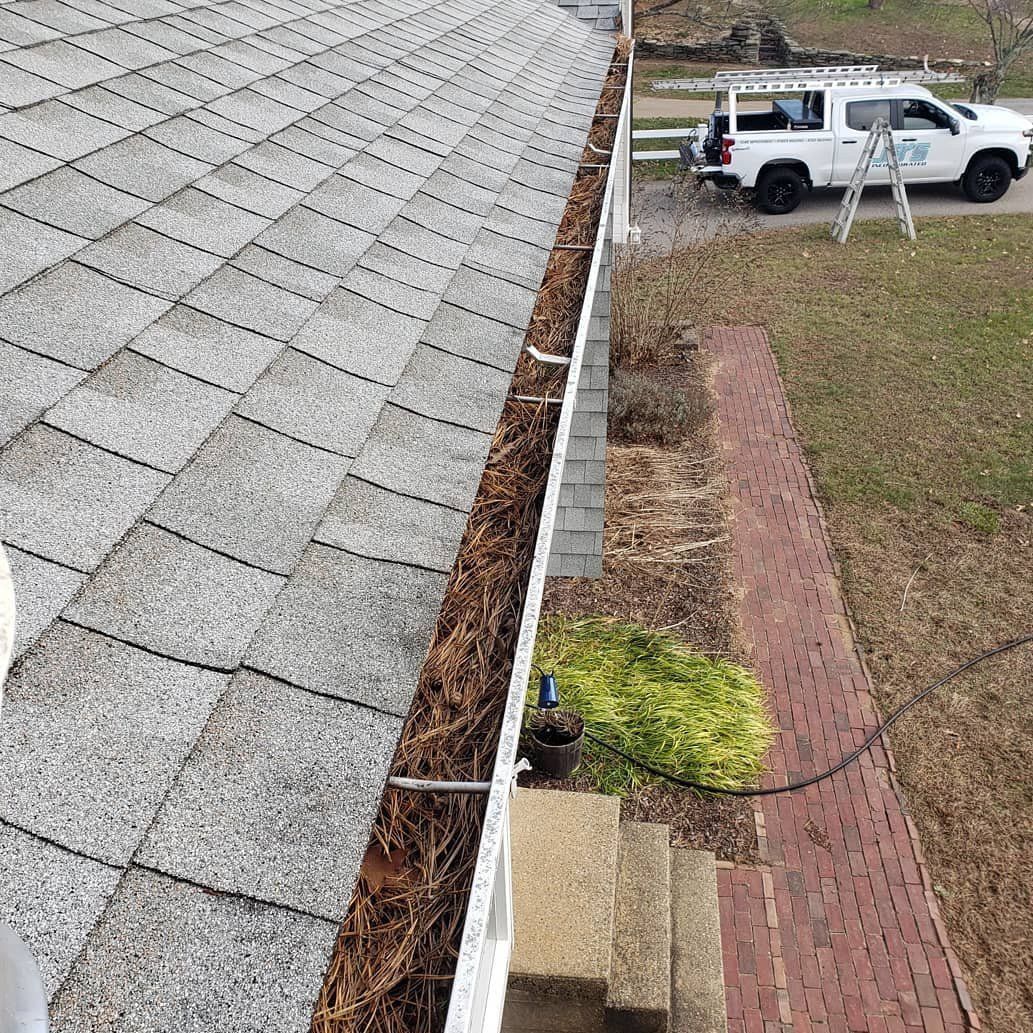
(268, 269)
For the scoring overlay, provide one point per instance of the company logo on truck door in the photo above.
(909, 155)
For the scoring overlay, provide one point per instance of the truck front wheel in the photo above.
(987, 178)
(779, 191)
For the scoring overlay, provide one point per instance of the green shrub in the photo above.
(652, 696)
(645, 412)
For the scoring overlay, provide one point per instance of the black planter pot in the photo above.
(553, 751)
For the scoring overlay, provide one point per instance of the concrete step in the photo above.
(639, 998)
(697, 976)
(565, 850)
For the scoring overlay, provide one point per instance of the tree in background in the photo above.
(1011, 34)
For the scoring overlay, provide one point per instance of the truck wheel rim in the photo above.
(988, 182)
(780, 194)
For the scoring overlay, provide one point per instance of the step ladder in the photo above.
(880, 133)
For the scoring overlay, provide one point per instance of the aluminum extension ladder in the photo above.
(880, 133)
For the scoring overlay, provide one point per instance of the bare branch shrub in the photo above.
(673, 282)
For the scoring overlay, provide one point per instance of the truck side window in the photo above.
(920, 114)
(861, 114)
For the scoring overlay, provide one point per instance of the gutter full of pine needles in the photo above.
(396, 950)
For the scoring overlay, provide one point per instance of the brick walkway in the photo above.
(839, 929)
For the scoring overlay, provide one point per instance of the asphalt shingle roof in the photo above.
(268, 266)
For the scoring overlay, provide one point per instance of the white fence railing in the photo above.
(660, 134)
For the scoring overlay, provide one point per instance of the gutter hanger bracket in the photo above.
(544, 359)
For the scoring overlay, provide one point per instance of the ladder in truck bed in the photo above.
(880, 133)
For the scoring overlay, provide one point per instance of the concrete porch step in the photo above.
(697, 974)
(639, 997)
(615, 932)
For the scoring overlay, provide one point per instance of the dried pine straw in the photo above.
(666, 525)
(396, 950)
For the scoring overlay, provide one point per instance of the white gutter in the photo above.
(6, 620)
(23, 1005)
(496, 819)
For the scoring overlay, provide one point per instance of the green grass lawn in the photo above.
(909, 369)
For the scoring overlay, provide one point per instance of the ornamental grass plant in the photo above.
(652, 696)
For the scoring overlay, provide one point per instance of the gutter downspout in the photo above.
(496, 819)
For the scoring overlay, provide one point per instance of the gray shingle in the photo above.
(443, 218)
(193, 955)
(51, 899)
(94, 733)
(29, 384)
(343, 330)
(29, 247)
(59, 130)
(373, 172)
(206, 347)
(247, 189)
(69, 501)
(411, 301)
(418, 456)
(283, 166)
(446, 387)
(382, 524)
(205, 222)
(252, 493)
(143, 167)
(142, 258)
(307, 399)
(420, 242)
(355, 204)
(19, 88)
(190, 137)
(64, 18)
(407, 269)
(242, 299)
(520, 227)
(181, 81)
(176, 598)
(62, 63)
(165, 35)
(257, 59)
(76, 315)
(144, 411)
(285, 273)
(42, 591)
(19, 164)
(514, 260)
(351, 627)
(312, 239)
(124, 49)
(490, 296)
(251, 813)
(114, 107)
(315, 146)
(21, 32)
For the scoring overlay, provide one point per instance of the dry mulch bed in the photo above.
(658, 501)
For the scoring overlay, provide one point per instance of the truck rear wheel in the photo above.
(779, 191)
(987, 178)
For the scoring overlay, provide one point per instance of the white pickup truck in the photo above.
(813, 135)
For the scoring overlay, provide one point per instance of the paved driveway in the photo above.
(658, 209)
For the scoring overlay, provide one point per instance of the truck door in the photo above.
(926, 146)
(853, 126)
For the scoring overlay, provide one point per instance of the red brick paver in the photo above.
(839, 929)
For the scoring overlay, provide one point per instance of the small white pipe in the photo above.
(424, 785)
(544, 359)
